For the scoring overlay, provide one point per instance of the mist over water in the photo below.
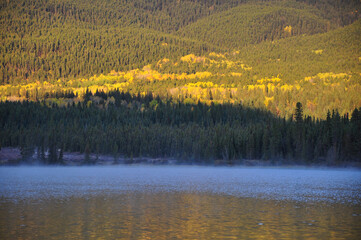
(162, 202)
(270, 183)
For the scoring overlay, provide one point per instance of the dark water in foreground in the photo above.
(150, 202)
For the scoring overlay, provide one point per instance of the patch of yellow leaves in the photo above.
(318, 52)
(266, 80)
(288, 29)
(268, 100)
(217, 55)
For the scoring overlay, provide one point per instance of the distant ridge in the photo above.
(254, 23)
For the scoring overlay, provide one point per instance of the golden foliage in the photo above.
(217, 55)
(268, 100)
(202, 84)
(286, 87)
(266, 80)
(191, 58)
(232, 85)
(288, 29)
(236, 74)
(319, 51)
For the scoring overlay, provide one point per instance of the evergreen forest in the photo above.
(194, 80)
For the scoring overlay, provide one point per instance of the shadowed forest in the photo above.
(133, 126)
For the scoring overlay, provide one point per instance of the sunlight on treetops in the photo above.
(268, 100)
(286, 87)
(245, 67)
(272, 79)
(217, 55)
(236, 74)
(161, 62)
(319, 51)
(288, 29)
(332, 75)
(191, 58)
(271, 87)
(202, 84)
(326, 77)
(256, 86)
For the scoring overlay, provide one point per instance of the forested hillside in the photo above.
(271, 75)
(115, 57)
(50, 39)
(254, 23)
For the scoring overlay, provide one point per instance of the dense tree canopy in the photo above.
(50, 39)
(133, 126)
(198, 80)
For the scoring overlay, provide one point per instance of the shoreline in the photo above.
(12, 157)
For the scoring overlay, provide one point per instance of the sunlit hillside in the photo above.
(263, 54)
(321, 71)
(253, 23)
(46, 40)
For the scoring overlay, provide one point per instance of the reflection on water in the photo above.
(139, 210)
(176, 215)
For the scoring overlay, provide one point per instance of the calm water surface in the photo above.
(176, 202)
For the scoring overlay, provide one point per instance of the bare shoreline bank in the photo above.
(13, 157)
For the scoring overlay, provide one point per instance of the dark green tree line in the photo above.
(150, 127)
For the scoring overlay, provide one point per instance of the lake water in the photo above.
(179, 202)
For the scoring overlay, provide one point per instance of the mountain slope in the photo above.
(285, 52)
(69, 51)
(322, 71)
(297, 57)
(254, 23)
(45, 40)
